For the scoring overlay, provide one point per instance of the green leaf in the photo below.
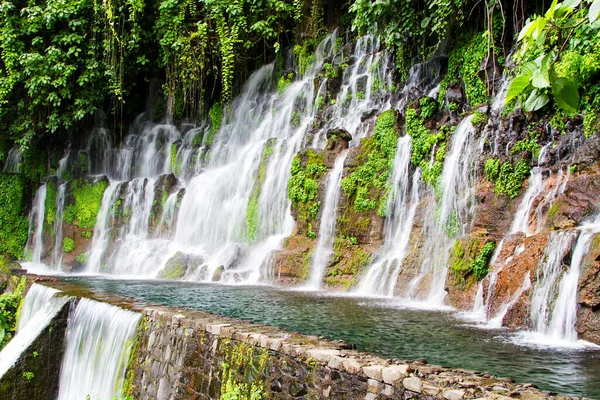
(540, 79)
(594, 11)
(517, 86)
(539, 28)
(566, 94)
(527, 29)
(550, 12)
(571, 4)
(529, 68)
(535, 101)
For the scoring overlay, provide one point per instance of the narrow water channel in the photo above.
(383, 327)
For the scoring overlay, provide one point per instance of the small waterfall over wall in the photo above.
(40, 307)
(383, 273)
(37, 297)
(449, 215)
(57, 252)
(324, 247)
(35, 243)
(99, 340)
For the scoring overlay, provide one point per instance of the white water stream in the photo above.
(40, 307)
(99, 339)
(382, 276)
(324, 247)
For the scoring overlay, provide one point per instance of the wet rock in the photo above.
(413, 384)
(179, 265)
(218, 272)
(455, 94)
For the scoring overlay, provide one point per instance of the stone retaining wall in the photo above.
(188, 354)
(35, 375)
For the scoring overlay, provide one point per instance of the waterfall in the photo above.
(99, 340)
(402, 204)
(37, 297)
(40, 307)
(101, 237)
(324, 247)
(35, 244)
(549, 271)
(362, 90)
(57, 252)
(450, 216)
(496, 321)
(13, 161)
(554, 300)
(564, 315)
(535, 188)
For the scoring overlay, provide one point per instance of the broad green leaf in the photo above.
(516, 87)
(566, 94)
(535, 101)
(594, 11)
(550, 12)
(541, 24)
(527, 29)
(540, 79)
(529, 68)
(571, 4)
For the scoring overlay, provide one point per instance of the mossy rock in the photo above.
(179, 265)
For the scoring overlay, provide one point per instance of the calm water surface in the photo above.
(383, 327)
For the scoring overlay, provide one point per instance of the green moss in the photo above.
(10, 305)
(424, 142)
(216, 115)
(50, 205)
(366, 186)
(244, 371)
(428, 107)
(471, 262)
(480, 266)
(87, 201)
(14, 224)
(528, 144)
(82, 258)
(34, 165)
(303, 187)
(492, 169)
(284, 82)
(175, 166)
(68, 245)
(463, 67)
(509, 179)
(133, 345)
(252, 211)
(479, 118)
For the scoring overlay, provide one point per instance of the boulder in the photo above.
(179, 265)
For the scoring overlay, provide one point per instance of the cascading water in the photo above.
(324, 247)
(382, 275)
(101, 235)
(548, 275)
(450, 216)
(564, 314)
(40, 307)
(554, 300)
(13, 161)
(37, 297)
(35, 244)
(99, 339)
(535, 187)
(57, 252)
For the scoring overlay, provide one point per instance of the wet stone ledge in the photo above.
(188, 354)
